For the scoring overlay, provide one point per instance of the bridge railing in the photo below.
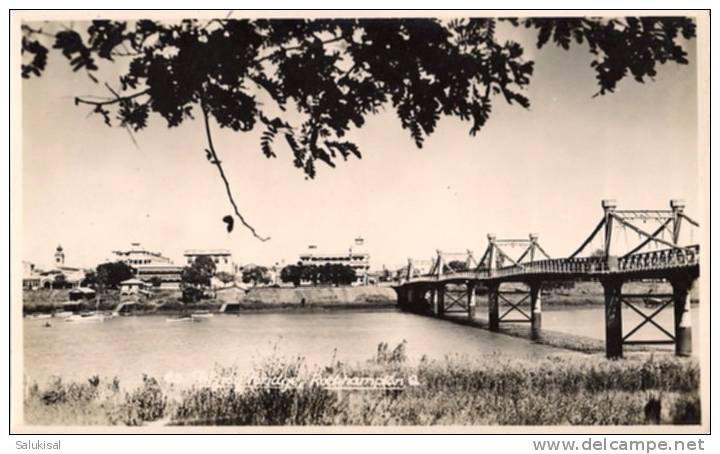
(555, 266)
(660, 259)
(664, 258)
(458, 275)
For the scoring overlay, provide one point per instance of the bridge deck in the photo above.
(654, 264)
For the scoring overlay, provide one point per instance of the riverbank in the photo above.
(386, 390)
(234, 300)
(567, 341)
(169, 302)
(366, 295)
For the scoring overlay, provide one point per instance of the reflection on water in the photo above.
(589, 322)
(127, 347)
(130, 346)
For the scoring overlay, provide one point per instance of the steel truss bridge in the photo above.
(451, 281)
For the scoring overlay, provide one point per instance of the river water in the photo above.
(128, 347)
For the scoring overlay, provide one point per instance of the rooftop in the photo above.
(159, 267)
(136, 248)
(132, 282)
(138, 251)
(207, 252)
(346, 254)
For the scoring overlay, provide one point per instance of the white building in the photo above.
(132, 286)
(355, 257)
(137, 256)
(31, 276)
(150, 266)
(35, 277)
(221, 257)
(48, 275)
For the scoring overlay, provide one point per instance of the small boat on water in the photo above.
(180, 319)
(41, 316)
(87, 317)
(653, 302)
(62, 314)
(201, 314)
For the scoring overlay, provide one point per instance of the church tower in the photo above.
(59, 256)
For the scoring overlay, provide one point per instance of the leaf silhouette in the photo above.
(230, 223)
(336, 73)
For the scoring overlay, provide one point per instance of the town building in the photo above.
(132, 286)
(58, 273)
(168, 276)
(355, 257)
(73, 274)
(137, 256)
(221, 257)
(151, 266)
(31, 276)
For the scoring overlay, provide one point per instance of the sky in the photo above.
(543, 170)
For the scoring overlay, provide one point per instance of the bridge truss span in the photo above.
(455, 277)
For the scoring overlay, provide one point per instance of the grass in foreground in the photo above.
(491, 390)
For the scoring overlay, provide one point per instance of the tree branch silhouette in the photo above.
(115, 100)
(217, 163)
(422, 68)
(284, 50)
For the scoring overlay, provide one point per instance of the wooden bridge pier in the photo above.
(681, 281)
(613, 317)
(493, 296)
(418, 298)
(683, 326)
(454, 298)
(513, 302)
(679, 299)
(438, 300)
(535, 309)
(471, 298)
(441, 296)
(405, 297)
(402, 299)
